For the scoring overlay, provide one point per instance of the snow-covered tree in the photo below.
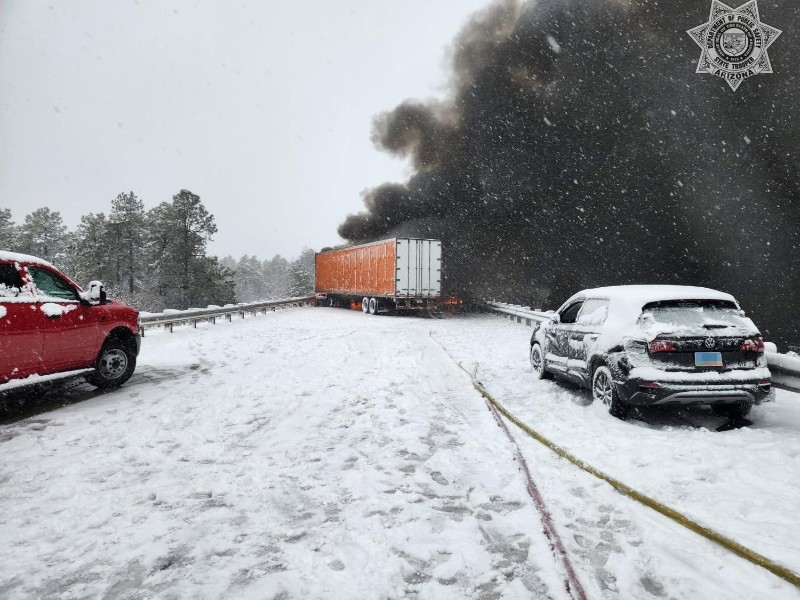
(44, 234)
(212, 283)
(249, 277)
(127, 224)
(8, 230)
(89, 250)
(301, 281)
(180, 231)
(277, 277)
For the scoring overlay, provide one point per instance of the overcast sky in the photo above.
(262, 108)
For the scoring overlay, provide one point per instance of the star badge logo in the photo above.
(734, 43)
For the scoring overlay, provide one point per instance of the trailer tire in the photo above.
(365, 305)
(373, 306)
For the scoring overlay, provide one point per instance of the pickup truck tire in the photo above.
(114, 365)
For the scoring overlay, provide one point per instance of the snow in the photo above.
(23, 258)
(3, 311)
(38, 379)
(323, 453)
(644, 294)
(732, 376)
(51, 309)
(625, 309)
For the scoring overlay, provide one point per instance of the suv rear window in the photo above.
(707, 315)
(10, 281)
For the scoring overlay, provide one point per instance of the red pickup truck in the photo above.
(49, 325)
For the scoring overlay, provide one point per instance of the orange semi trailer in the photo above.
(395, 274)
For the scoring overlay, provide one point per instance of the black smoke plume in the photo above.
(578, 147)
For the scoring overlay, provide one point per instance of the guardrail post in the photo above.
(194, 323)
(170, 327)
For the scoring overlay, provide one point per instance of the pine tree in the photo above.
(301, 281)
(127, 224)
(44, 234)
(212, 283)
(180, 231)
(8, 231)
(90, 250)
(277, 277)
(249, 278)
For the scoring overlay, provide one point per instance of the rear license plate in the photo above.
(707, 359)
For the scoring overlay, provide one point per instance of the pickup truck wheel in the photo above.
(537, 363)
(114, 365)
(603, 391)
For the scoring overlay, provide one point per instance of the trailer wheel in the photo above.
(365, 305)
(373, 306)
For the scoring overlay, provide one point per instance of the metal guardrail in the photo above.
(195, 315)
(519, 313)
(785, 369)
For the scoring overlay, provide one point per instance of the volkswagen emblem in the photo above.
(710, 343)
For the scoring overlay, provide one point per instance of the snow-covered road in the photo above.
(322, 453)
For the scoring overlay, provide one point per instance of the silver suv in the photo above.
(655, 345)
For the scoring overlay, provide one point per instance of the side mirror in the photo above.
(554, 318)
(96, 294)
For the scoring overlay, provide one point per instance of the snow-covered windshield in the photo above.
(702, 316)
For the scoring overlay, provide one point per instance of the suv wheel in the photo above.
(537, 363)
(603, 391)
(114, 365)
(737, 410)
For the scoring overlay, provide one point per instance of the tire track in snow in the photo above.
(572, 583)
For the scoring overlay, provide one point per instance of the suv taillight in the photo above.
(660, 346)
(752, 345)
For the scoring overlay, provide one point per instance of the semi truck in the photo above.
(398, 274)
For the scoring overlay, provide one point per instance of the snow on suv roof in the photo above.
(22, 258)
(626, 301)
(653, 293)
